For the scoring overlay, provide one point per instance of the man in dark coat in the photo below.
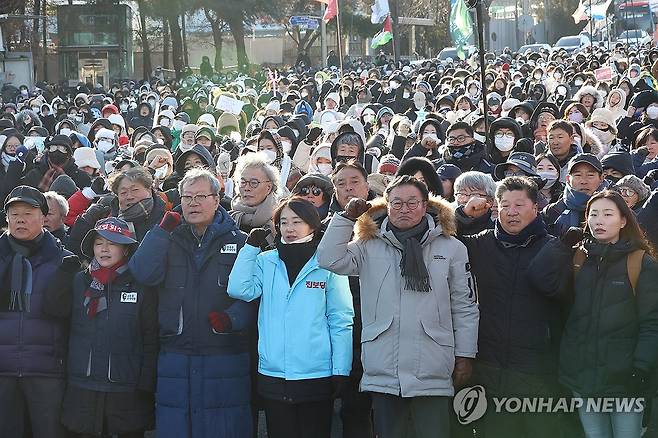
(57, 160)
(203, 387)
(32, 344)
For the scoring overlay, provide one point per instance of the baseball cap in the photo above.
(584, 157)
(113, 229)
(523, 160)
(28, 195)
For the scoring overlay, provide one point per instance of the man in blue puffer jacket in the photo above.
(32, 343)
(203, 387)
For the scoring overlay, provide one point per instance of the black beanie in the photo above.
(620, 161)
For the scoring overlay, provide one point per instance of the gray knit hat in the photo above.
(636, 184)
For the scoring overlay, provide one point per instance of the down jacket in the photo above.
(409, 339)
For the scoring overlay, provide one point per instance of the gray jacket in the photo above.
(409, 339)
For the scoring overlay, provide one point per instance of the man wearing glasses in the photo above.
(418, 309)
(203, 367)
(463, 150)
(57, 160)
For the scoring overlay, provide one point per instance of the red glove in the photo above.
(220, 322)
(170, 221)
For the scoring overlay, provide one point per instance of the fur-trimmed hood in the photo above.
(368, 225)
(588, 89)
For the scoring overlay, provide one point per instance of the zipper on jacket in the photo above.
(109, 367)
(89, 364)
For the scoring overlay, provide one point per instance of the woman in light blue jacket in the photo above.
(304, 323)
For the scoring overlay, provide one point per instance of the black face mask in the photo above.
(58, 158)
(613, 179)
(140, 158)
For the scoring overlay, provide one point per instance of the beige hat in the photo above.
(604, 115)
(86, 157)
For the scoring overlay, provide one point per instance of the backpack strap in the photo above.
(634, 266)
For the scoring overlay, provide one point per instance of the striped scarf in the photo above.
(96, 297)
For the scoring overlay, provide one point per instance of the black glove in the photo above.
(572, 236)
(650, 178)
(339, 385)
(70, 264)
(96, 212)
(98, 186)
(257, 237)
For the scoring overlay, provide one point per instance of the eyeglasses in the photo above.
(458, 139)
(506, 134)
(513, 173)
(56, 147)
(186, 199)
(305, 191)
(253, 183)
(412, 204)
(470, 195)
(626, 192)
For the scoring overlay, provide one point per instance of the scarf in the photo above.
(253, 217)
(412, 265)
(534, 230)
(95, 297)
(49, 176)
(137, 211)
(21, 272)
(575, 200)
(296, 254)
(465, 157)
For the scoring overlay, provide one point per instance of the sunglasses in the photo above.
(305, 191)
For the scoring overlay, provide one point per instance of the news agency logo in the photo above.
(470, 404)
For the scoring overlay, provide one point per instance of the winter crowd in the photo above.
(182, 255)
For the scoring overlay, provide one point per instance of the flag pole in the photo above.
(340, 40)
(479, 16)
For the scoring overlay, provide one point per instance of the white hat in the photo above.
(85, 156)
(105, 133)
(116, 119)
(208, 119)
(274, 105)
(167, 113)
(333, 96)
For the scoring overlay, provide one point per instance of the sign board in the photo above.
(604, 74)
(413, 21)
(304, 21)
(229, 104)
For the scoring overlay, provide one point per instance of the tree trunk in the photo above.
(184, 33)
(45, 42)
(165, 43)
(34, 38)
(176, 44)
(146, 49)
(236, 24)
(215, 25)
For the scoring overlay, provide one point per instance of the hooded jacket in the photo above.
(409, 339)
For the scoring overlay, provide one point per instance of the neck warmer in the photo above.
(21, 272)
(575, 200)
(95, 297)
(253, 217)
(7, 159)
(296, 255)
(412, 264)
(534, 230)
(137, 211)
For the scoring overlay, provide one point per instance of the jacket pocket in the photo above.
(377, 348)
(436, 351)
(123, 368)
(171, 321)
(619, 360)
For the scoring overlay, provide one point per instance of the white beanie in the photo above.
(116, 119)
(208, 119)
(333, 96)
(85, 156)
(105, 133)
(274, 105)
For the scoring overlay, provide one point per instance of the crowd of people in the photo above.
(175, 263)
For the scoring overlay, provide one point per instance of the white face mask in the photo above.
(161, 172)
(104, 145)
(406, 95)
(65, 131)
(270, 156)
(178, 125)
(578, 82)
(549, 177)
(165, 121)
(431, 137)
(286, 145)
(504, 143)
(393, 85)
(124, 107)
(652, 112)
(557, 76)
(479, 137)
(325, 168)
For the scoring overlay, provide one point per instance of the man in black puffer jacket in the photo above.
(519, 327)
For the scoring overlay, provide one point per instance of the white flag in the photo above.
(379, 11)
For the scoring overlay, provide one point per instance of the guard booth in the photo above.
(95, 43)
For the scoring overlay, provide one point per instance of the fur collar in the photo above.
(367, 226)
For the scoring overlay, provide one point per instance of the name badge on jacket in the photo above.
(128, 297)
(229, 248)
(316, 284)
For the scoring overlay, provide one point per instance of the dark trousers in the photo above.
(420, 417)
(38, 397)
(356, 407)
(299, 420)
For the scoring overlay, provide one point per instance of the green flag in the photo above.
(461, 26)
(384, 36)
